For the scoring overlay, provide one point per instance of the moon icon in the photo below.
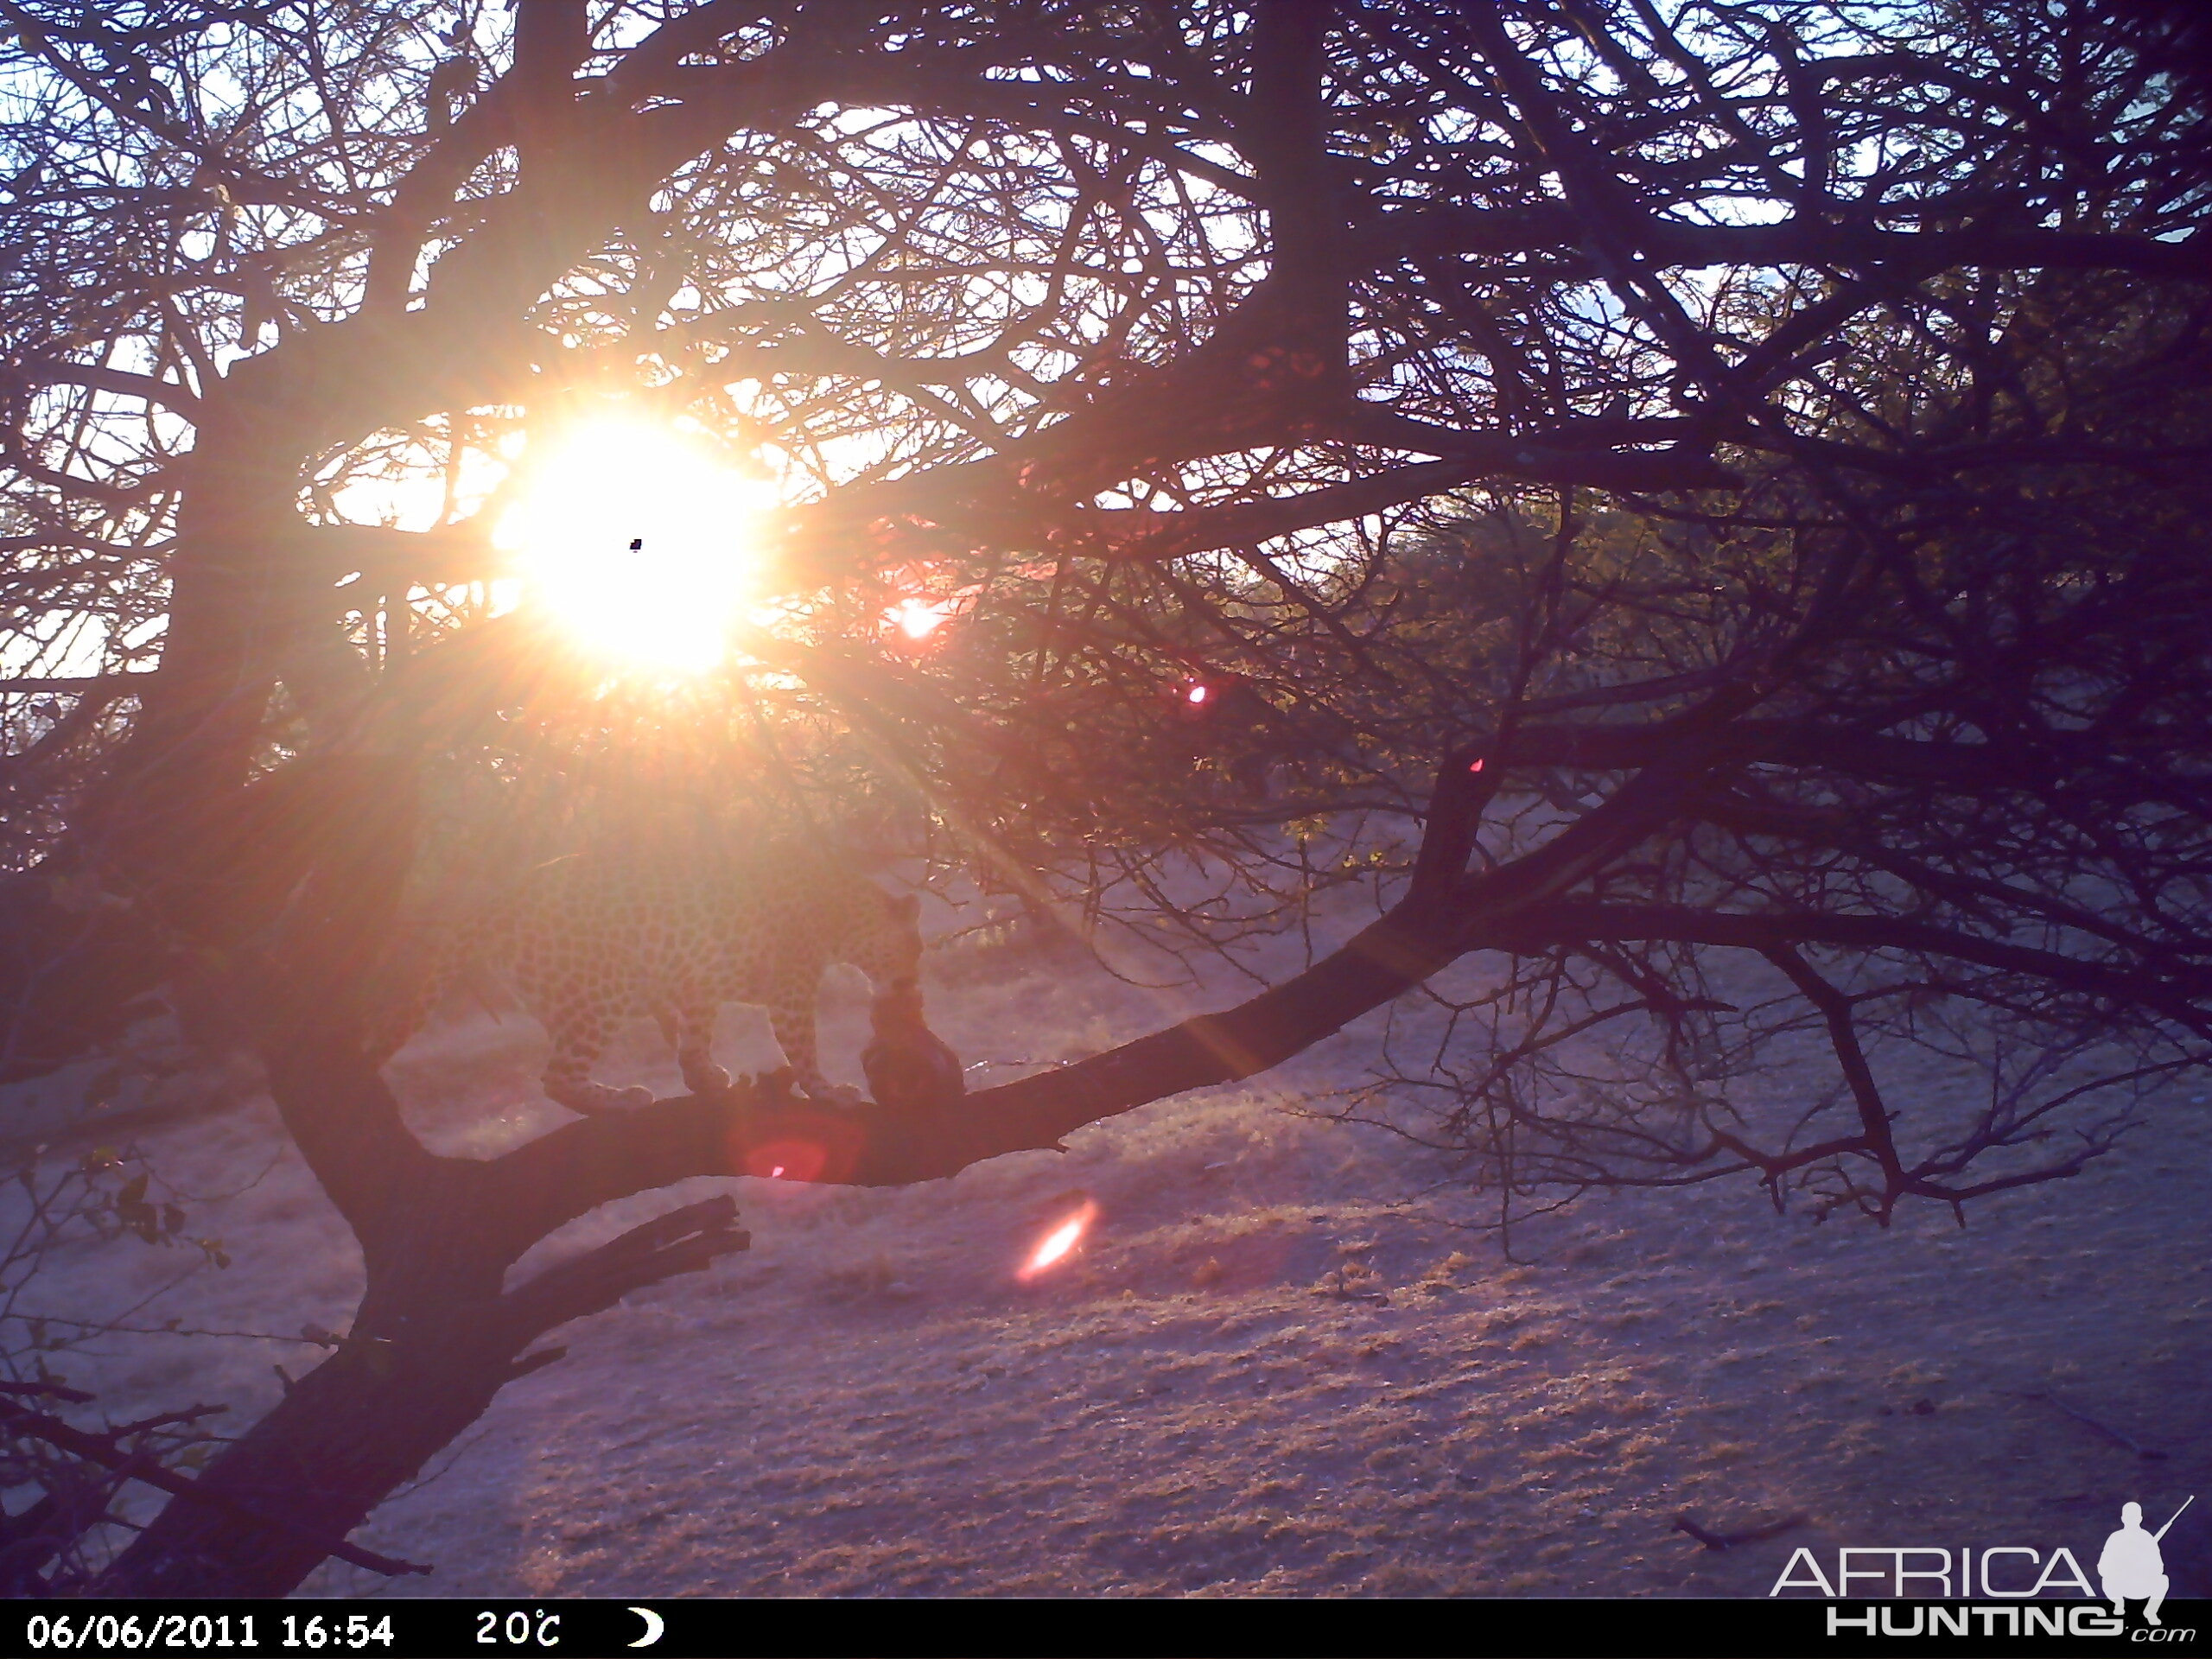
(655, 1625)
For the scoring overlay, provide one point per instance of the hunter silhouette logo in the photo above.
(2131, 1566)
(2002, 1589)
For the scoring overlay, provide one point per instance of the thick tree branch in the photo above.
(2177, 994)
(42, 372)
(1457, 228)
(1819, 746)
(1138, 537)
(678, 1242)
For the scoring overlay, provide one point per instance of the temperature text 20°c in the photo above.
(518, 1630)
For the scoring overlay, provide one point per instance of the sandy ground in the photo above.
(1279, 1365)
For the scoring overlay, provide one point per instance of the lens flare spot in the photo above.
(1196, 694)
(787, 1161)
(917, 619)
(1059, 1244)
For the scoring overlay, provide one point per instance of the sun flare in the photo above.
(1056, 1245)
(638, 543)
(917, 619)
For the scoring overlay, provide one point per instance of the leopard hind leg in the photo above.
(790, 1005)
(694, 1034)
(579, 1039)
(690, 1032)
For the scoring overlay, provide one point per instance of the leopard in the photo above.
(596, 938)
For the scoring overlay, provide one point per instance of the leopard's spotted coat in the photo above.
(594, 939)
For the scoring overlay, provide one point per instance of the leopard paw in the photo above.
(707, 1080)
(635, 1096)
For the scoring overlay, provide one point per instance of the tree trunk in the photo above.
(345, 1437)
(435, 1339)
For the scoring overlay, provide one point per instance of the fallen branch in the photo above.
(2148, 1453)
(1730, 1539)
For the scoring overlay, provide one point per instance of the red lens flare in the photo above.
(1059, 1244)
(792, 1159)
(800, 1143)
(1478, 767)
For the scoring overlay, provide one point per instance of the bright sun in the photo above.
(638, 543)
